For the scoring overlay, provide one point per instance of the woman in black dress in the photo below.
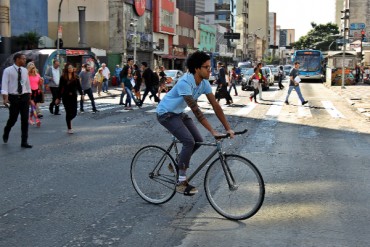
(69, 84)
(138, 80)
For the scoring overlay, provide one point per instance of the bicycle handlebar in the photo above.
(228, 135)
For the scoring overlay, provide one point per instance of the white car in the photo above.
(172, 77)
(211, 78)
(266, 71)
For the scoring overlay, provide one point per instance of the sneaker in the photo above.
(286, 102)
(70, 131)
(250, 98)
(30, 121)
(185, 188)
(304, 102)
(95, 111)
(82, 110)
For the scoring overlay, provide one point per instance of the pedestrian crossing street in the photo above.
(274, 109)
(271, 107)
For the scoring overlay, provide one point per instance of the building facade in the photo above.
(164, 30)
(19, 17)
(359, 13)
(258, 15)
(241, 26)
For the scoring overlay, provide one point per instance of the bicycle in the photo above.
(236, 193)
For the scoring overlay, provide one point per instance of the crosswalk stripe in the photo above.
(245, 110)
(274, 110)
(304, 111)
(329, 107)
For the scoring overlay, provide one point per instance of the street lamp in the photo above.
(58, 39)
(81, 14)
(133, 23)
(345, 19)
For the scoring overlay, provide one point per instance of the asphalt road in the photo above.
(75, 190)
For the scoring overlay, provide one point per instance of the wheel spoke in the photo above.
(152, 180)
(235, 190)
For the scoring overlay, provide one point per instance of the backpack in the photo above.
(155, 79)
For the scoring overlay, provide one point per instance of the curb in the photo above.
(116, 92)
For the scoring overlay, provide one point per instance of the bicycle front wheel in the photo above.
(235, 190)
(153, 174)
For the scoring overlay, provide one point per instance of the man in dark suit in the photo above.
(221, 91)
(16, 91)
(148, 80)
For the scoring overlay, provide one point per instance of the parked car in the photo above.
(287, 69)
(246, 81)
(172, 77)
(266, 71)
(275, 72)
(211, 78)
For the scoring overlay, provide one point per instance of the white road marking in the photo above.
(304, 111)
(329, 107)
(274, 110)
(245, 110)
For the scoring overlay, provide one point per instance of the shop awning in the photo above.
(172, 57)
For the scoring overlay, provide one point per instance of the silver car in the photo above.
(266, 71)
(172, 77)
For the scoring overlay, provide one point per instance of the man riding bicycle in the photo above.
(170, 113)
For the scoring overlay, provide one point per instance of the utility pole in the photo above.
(134, 25)
(59, 28)
(345, 19)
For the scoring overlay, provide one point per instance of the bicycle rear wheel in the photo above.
(153, 174)
(244, 197)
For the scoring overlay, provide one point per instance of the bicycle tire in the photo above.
(151, 176)
(242, 201)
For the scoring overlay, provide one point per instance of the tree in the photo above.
(27, 41)
(318, 38)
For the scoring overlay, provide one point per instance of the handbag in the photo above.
(42, 97)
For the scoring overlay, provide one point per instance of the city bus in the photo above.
(310, 64)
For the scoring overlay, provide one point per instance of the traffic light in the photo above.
(363, 35)
(60, 43)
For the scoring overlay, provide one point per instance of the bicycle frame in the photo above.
(218, 149)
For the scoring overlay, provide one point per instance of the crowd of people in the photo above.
(23, 90)
(25, 97)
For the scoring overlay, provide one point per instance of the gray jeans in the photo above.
(183, 128)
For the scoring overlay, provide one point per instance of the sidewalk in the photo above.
(113, 91)
(358, 96)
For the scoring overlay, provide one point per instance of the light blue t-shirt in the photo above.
(174, 99)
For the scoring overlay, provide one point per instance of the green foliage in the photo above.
(27, 41)
(319, 37)
(271, 60)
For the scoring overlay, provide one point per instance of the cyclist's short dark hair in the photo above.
(196, 60)
(145, 64)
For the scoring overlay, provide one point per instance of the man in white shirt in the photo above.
(53, 76)
(16, 91)
(106, 74)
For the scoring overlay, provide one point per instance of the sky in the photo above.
(298, 14)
